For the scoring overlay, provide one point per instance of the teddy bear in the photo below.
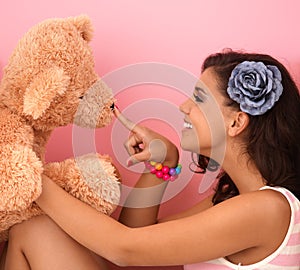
(49, 82)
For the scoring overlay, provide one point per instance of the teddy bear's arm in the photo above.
(91, 178)
(20, 173)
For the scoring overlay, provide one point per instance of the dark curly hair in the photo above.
(272, 140)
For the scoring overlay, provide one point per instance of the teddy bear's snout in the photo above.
(96, 106)
(112, 106)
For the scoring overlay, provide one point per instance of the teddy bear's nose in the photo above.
(112, 106)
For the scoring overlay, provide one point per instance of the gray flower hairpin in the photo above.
(255, 86)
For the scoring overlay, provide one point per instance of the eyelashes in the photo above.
(197, 98)
(199, 95)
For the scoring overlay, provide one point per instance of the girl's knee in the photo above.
(15, 234)
(29, 230)
(43, 243)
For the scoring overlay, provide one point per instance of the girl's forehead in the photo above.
(202, 86)
(208, 81)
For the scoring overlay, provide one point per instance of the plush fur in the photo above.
(50, 81)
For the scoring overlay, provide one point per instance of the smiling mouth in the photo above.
(187, 125)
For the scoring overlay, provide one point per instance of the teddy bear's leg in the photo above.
(91, 178)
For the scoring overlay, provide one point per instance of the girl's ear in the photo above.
(238, 124)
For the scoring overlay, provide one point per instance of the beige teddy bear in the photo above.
(50, 81)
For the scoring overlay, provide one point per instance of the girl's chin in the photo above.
(186, 146)
(190, 148)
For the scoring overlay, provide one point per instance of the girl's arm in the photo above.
(196, 209)
(142, 205)
(229, 227)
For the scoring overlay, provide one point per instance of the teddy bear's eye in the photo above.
(81, 97)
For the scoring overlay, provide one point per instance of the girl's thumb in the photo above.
(137, 158)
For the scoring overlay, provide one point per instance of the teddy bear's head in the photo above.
(51, 72)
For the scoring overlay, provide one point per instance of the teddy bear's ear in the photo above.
(43, 89)
(84, 26)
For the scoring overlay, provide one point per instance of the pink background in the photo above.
(179, 33)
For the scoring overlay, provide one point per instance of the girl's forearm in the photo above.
(142, 205)
(83, 223)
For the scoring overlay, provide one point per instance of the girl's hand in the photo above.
(145, 144)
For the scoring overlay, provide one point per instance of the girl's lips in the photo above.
(187, 125)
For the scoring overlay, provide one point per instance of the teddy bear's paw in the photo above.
(100, 175)
(94, 110)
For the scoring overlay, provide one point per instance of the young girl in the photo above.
(251, 222)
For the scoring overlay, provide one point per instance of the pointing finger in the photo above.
(125, 121)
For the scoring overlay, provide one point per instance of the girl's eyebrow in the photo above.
(201, 90)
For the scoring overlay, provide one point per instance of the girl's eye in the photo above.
(197, 98)
(199, 94)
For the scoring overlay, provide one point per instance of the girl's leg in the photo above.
(40, 244)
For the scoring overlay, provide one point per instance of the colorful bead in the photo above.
(172, 178)
(172, 171)
(164, 172)
(148, 165)
(166, 177)
(165, 169)
(158, 166)
(159, 174)
(153, 170)
(152, 163)
(178, 170)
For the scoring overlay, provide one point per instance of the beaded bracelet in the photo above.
(164, 172)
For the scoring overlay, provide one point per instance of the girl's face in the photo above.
(204, 117)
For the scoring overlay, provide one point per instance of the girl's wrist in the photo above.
(170, 163)
(162, 171)
(172, 157)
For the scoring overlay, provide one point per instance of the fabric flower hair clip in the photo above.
(255, 86)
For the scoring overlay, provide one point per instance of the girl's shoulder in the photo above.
(270, 201)
(267, 209)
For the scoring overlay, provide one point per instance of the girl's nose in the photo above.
(186, 106)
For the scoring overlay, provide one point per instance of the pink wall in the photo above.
(178, 33)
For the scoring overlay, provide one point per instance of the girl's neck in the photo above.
(243, 172)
